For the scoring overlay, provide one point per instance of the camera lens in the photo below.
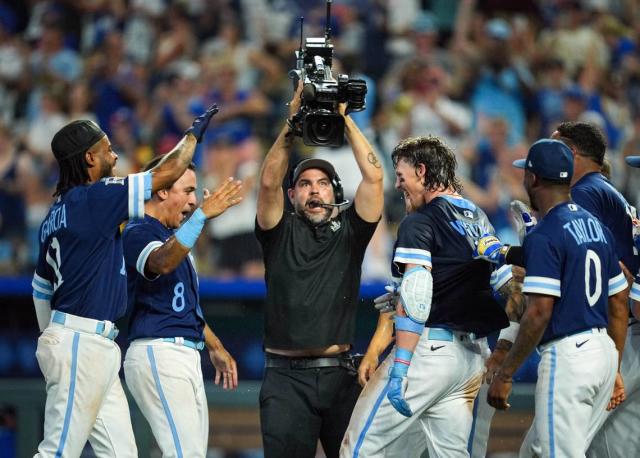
(323, 129)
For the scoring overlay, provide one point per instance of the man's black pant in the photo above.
(298, 406)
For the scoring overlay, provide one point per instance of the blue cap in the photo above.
(548, 159)
(633, 161)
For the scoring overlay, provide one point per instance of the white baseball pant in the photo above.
(85, 400)
(482, 416)
(166, 382)
(618, 437)
(575, 381)
(443, 381)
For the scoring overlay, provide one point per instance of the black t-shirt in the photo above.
(442, 235)
(313, 279)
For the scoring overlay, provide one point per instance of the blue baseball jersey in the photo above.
(598, 196)
(571, 256)
(80, 268)
(166, 305)
(442, 235)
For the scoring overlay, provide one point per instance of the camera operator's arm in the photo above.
(369, 198)
(273, 171)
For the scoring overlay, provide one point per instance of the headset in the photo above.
(338, 192)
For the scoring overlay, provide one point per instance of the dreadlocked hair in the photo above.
(435, 155)
(73, 172)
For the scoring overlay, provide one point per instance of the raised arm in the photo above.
(272, 173)
(369, 198)
(173, 165)
(170, 254)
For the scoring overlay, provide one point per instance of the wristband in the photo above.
(509, 334)
(189, 232)
(401, 363)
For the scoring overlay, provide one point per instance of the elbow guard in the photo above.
(416, 292)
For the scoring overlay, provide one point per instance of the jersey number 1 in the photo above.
(55, 262)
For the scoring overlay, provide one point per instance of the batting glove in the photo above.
(201, 122)
(489, 248)
(398, 382)
(387, 301)
(522, 218)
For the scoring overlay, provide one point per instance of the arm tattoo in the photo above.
(504, 345)
(373, 160)
(516, 304)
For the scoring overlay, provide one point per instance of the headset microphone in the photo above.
(318, 204)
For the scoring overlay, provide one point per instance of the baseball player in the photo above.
(79, 287)
(571, 269)
(617, 437)
(167, 328)
(446, 306)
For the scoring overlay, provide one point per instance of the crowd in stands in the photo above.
(488, 76)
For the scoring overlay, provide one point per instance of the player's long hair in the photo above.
(73, 172)
(437, 157)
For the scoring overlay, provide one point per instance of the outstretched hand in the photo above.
(200, 124)
(227, 195)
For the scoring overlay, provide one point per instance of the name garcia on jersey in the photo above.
(57, 219)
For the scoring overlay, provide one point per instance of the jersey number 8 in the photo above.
(178, 297)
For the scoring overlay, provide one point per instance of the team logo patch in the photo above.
(114, 180)
(573, 207)
(335, 226)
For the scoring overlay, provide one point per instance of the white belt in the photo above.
(557, 340)
(102, 328)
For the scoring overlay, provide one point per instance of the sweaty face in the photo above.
(411, 184)
(105, 157)
(313, 186)
(181, 199)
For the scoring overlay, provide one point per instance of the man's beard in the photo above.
(315, 219)
(106, 170)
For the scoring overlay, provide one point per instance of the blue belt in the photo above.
(199, 345)
(440, 334)
(85, 324)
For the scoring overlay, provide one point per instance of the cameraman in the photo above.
(313, 260)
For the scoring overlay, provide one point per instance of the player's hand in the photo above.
(635, 231)
(493, 364)
(226, 368)
(227, 195)
(489, 248)
(386, 302)
(523, 218)
(397, 388)
(499, 392)
(367, 367)
(201, 122)
(618, 395)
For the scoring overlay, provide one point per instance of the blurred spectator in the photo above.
(494, 182)
(12, 207)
